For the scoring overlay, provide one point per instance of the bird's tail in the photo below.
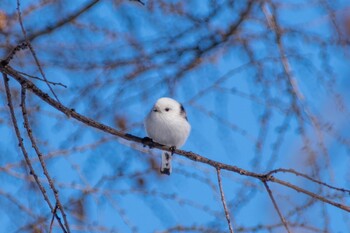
(165, 167)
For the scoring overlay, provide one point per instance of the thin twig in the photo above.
(283, 220)
(227, 214)
(63, 21)
(22, 207)
(32, 50)
(308, 177)
(40, 156)
(311, 194)
(10, 56)
(53, 218)
(34, 77)
(271, 20)
(24, 151)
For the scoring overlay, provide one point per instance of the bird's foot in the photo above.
(172, 149)
(146, 141)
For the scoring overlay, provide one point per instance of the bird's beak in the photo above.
(155, 109)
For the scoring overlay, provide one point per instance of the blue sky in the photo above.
(225, 119)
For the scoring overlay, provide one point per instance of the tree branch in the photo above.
(190, 155)
(24, 151)
(63, 21)
(227, 214)
(40, 156)
(283, 220)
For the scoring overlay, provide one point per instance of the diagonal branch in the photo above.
(40, 156)
(271, 20)
(227, 214)
(311, 194)
(13, 52)
(283, 220)
(27, 41)
(63, 21)
(24, 151)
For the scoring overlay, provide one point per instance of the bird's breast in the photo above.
(167, 130)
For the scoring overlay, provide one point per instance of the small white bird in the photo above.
(167, 124)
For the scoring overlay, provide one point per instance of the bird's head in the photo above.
(168, 107)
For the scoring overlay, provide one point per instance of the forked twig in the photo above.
(51, 82)
(292, 171)
(53, 218)
(24, 151)
(40, 156)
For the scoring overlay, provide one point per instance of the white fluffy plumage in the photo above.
(167, 124)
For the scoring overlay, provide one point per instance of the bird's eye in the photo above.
(167, 109)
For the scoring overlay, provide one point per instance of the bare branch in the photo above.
(40, 156)
(283, 220)
(10, 56)
(32, 50)
(24, 151)
(292, 171)
(53, 218)
(311, 194)
(63, 21)
(227, 214)
(51, 82)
